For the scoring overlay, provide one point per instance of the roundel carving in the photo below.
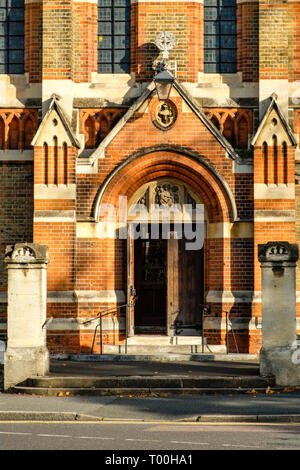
(165, 114)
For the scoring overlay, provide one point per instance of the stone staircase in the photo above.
(146, 345)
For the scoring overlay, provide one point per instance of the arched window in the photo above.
(65, 162)
(28, 132)
(265, 162)
(220, 36)
(55, 154)
(89, 131)
(46, 162)
(275, 159)
(12, 36)
(13, 134)
(243, 133)
(113, 36)
(215, 122)
(285, 163)
(228, 130)
(2, 133)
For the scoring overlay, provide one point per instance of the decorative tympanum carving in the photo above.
(166, 194)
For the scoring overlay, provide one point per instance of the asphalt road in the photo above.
(156, 435)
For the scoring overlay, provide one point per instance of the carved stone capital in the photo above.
(278, 252)
(26, 253)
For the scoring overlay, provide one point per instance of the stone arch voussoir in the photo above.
(186, 167)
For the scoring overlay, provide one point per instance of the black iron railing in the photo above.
(112, 312)
(206, 313)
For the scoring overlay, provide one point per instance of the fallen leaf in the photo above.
(268, 390)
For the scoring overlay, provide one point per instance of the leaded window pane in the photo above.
(228, 27)
(105, 68)
(15, 68)
(122, 68)
(12, 36)
(105, 42)
(227, 13)
(3, 59)
(227, 42)
(121, 56)
(121, 42)
(104, 56)
(114, 36)
(3, 14)
(220, 36)
(211, 28)
(15, 14)
(15, 3)
(16, 56)
(104, 28)
(104, 14)
(211, 14)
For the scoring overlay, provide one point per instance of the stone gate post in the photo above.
(278, 266)
(27, 354)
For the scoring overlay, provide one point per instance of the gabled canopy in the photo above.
(273, 123)
(99, 152)
(55, 111)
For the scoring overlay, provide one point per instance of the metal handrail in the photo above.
(113, 311)
(207, 308)
(232, 332)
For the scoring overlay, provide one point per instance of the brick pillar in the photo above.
(294, 44)
(273, 53)
(57, 36)
(184, 20)
(274, 202)
(33, 40)
(247, 40)
(85, 40)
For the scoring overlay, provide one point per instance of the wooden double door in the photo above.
(168, 282)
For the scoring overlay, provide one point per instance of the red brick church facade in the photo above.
(79, 130)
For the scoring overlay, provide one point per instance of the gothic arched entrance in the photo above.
(165, 177)
(166, 221)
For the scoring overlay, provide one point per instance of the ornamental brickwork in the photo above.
(74, 141)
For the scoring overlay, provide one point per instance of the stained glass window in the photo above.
(113, 36)
(220, 36)
(12, 36)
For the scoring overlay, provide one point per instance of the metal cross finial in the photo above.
(165, 41)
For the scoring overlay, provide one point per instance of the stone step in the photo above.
(163, 340)
(156, 348)
(55, 385)
(144, 381)
(137, 392)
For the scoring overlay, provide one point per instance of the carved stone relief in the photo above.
(24, 253)
(165, 114)
(166, 194)
(163, 193)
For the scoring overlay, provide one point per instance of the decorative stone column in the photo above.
(27, 354)
(278, 265)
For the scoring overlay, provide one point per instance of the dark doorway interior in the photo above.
(151, 285)
(158, 277)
